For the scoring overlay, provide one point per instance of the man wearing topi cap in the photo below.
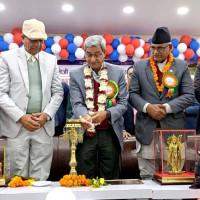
(160, 104)
(30, 94)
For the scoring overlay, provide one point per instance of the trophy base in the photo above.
(169, 179)
(5, 180)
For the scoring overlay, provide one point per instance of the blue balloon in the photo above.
(194, 45)
(115, 43)
(132, 37)
(193, 39)
(48, 50)
(114, 55)
(1, 38)
(175, 52)
(72, 57)
(21, 45)
(194, 58)
(71, 48)
(150, 52)
(149, 41)
(4, 46)
(175, 42)
(49, 42)
(138, 37)
(69, 37)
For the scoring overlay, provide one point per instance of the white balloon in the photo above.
(135, 59)
(123, 58)
(198, 52)
(8, 37)
(78, 40)
(55, 48)
(181, 56)
(142, 42)
(182, 47)
(61, 193)
(80, 53)
(198, 40)
(13, 46)
(56, 39)
(139, 52)
(121, 49)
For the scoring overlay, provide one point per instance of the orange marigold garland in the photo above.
(19, 182)
(74, 181)
(165, 69)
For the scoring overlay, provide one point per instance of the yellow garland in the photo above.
(154, 69)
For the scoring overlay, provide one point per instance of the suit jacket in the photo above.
(197, 93)
(78, 96)
(143, 90)
(128, 116)
(14, 89)
(63, 112)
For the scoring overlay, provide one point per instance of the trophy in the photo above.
(3, 178)
(73, 134)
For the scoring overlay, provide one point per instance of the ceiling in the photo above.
(103, 16)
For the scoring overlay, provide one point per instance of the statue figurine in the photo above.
(174, 158)
(1, 169)
(196, 184)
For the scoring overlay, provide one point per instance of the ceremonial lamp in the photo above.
(73, 134)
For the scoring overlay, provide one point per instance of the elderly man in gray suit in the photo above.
(30, 94)
(99, 95)
(157, 105)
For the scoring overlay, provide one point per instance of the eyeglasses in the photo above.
(159, 49)
(96, 55)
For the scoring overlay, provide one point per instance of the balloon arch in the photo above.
(126, 48)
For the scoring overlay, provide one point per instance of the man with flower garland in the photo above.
(98, 95)
(160, 103)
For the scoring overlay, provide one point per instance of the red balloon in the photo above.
(129, 49)
(146, 55)
(43, 46)
(82, 46)
(108, 37)
(63, 43)
(146, 47)
(186, 39)
(84, 36)
(189, 53)
(126, 40)
(109, 49)
(16, 30)
(198, 59)
(135, 42)
(18, 38)
(64, 53)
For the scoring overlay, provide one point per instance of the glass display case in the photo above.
(175, 153)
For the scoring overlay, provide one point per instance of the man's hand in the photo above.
(40, 118)
(86, 121)
(98, 117)
(126, 135)
(28, 123)
(156, 111)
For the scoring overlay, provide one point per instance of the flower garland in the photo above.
(19, 182)
(74, 181)
(89, 90)
(165, 69)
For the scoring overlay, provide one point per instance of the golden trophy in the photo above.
(3, 178)
(73, 133)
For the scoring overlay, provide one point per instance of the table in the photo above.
(149, 189)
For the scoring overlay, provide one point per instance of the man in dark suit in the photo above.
(129, 126)
(157, 105)
(98, 93)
